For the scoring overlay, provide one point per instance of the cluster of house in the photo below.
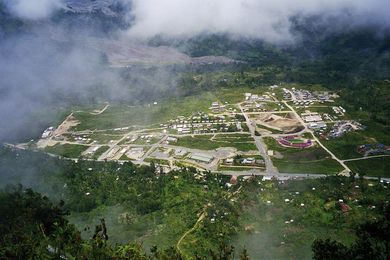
(82, 139)
(303, 103)
(302, 94)
(314, 120)
(295, 141)
(216, 107)
(339, 110)
(245, 161)
(48, 132)
(203, 123)
(305, 97)
(342, 127)
(286, 94)
(310, 117)
(147, 138)
(373, 149)
(255, 97)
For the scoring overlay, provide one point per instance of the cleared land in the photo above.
(67, 150)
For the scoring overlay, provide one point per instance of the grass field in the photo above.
(123, 115)
(308, 160)
(324, 166)
(204, 143)
(67, 150)
(371, 167)
(144, 115)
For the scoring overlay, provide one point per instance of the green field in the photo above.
(371, 167)
(307, 160)
(323, 166)
(204, 143)
(145, 115)
(67, 150)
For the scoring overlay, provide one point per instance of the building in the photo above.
(233, 180)
(171, 139)
(201, 157)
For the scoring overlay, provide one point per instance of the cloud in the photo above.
(268, 20)
(33, 9)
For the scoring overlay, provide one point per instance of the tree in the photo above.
(329, 250)
(244, 255)
(373, 242)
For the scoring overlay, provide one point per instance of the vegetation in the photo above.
(137, 203)
(67, 150)
(274, 228)
(372, 242)
(371, 167)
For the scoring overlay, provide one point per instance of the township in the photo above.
(279, 130)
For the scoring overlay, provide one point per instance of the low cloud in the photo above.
(267, 20)
(33, 9)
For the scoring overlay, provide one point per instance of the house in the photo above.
(233, 180)
(247, 96)
(344, 207)
(215, 105)
(248, 161)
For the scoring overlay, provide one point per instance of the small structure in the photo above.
(233, 180)
(229, 161)
(344, 207)
(171, 139)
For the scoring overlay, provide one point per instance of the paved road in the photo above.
(259, 144)
(236, 173)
